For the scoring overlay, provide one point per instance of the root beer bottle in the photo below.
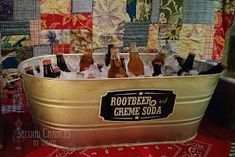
(86, 59)
(56, 71)
(108, 55)
(61, 63)
(188, 64)
(47, 68)
(116, 70)
(135, 65)
(157, 63)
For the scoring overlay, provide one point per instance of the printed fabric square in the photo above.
(155, 11)
(136, 32)
(55, 6)
(196, 38)
(198, 12)
(35, 28)
(41, 50)
(69, 21)
(143, 10)
(55, 37)
(26, 10)
(61, 48)
(169, 31)
(6, 10)
(79, 40)
(153, 36)
(82, 6)
(109, 19)
(171, 12)
(14, 27)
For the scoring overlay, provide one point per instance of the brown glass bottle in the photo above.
(116, 70)
(61, 63)
(108, 55)
(188, 64)
(214, 70)
(56, 71)
(47, 68)
(29, 70)
(86, 59)
(135, 65)
(157, 63)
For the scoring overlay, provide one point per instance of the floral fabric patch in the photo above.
(68, 21)
(143, 10)
(171, 11)
(82, 6)
(79, 40)
(55, 6)
(109, 19)
(55, 37)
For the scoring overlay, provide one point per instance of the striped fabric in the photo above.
(17, 108)
(232, 152)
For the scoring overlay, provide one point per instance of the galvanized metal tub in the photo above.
(68, 112)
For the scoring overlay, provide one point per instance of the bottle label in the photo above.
(137, 105)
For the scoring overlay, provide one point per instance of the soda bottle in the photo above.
(215, 69)
(135, 65)
(61, 63)
(108, 55)
(157, 63)
(86, 59)
(122, 59)
(29, 70)
(188, 64)
(116, 70)
(47, 68)
(56, 71)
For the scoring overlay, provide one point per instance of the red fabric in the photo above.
(204, 145)
(61, 48)
(223, 21)
(68, 21)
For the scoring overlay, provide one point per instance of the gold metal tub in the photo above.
(68, 112)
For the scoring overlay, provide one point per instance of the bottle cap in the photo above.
(46, 62)
(56, 69)
(28, 68)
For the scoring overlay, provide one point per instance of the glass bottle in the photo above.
(157, 63)
(86, 59)
(122, 59)
(108, 55)
(215, 69)
(61, 62)
(29, 70)
(116, 70)
(47, 68)
(56, 71)
(37, 68)
(135, 65)
(188, 64)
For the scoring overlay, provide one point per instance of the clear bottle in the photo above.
(135, 65)
(47, 68)
(61, 62)
(116, 70)
(86, 59)
(29, 70)
(188, 64)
